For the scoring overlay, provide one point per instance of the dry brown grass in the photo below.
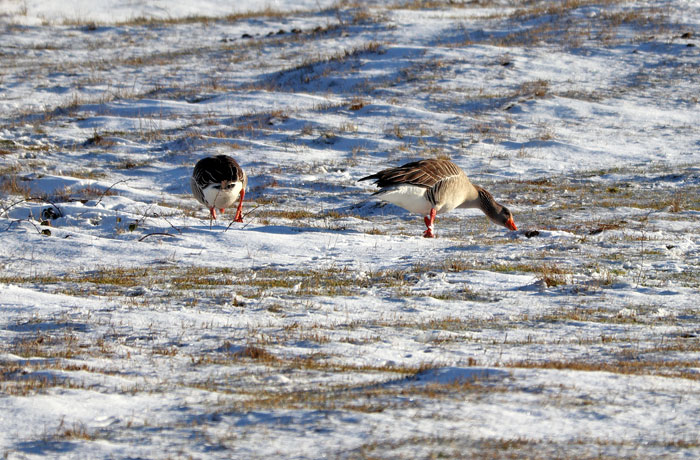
(74, 431)
(8, 147)
(12, 184)
(255, 353)
(535, 89)
(557, 23)
(309, 64)
(266, 12)
(552, 275)
(685, 369)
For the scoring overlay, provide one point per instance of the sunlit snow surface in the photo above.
(324, 326)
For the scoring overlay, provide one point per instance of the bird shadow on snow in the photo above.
(205, 229)
(374, 207)
(287, 230)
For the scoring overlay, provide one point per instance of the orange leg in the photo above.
(429, 220)
(212, 212)
(239, 213)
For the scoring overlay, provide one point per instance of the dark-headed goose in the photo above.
(435, 186)
(217, 182)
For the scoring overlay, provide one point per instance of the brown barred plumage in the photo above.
(436, 186)
(216, 183)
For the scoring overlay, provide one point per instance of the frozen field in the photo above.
(324, 326)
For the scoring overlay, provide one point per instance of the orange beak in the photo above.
(510, 224)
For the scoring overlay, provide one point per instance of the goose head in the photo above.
(503, 218)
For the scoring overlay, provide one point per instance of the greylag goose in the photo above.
(436, 186)
(217, 182)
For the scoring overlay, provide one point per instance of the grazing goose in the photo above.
(435, 186)
(217, 182)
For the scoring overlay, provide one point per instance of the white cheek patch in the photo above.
(236, 189)
(218, 198)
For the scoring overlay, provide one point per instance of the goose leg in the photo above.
(212, 216)
(239, 213)
(429, 220)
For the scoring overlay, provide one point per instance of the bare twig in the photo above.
(9, 226)
(5, 210)
(144, 215)
(170, 223)
(16, 221)
(156, 233)
(104, 193)
(644, 221)
(246, 215)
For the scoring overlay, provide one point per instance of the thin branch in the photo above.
(155, 233)
(104, 193)
(246, 215)
(110, 188)
(16, 221)
(170, 223)
(5, 210)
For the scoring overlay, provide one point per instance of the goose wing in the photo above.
(423, 173)
(213, 170)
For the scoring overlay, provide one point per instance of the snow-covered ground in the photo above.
(324, 326)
